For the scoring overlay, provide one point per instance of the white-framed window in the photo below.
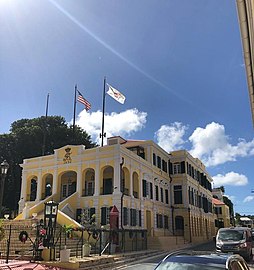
(177, 168)
(89, 188)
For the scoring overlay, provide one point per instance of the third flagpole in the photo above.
(102, 135)
(74, 112)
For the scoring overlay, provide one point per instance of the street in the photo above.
(150, 263)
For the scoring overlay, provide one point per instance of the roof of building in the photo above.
(245, 219)
(218, 202)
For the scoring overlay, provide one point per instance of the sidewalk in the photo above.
(92, 262)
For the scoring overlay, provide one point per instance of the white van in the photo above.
(236, 240)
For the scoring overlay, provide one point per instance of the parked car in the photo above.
(193, 260)
(236, 240)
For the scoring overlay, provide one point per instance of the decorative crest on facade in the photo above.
(67, 156)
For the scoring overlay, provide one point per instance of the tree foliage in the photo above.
(30, 138)
(229, 203)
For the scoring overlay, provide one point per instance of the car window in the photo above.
(232, 235)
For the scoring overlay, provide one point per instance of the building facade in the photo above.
(191, 196)
(167, 194)
(221, 211)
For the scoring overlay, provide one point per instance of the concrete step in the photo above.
(121, 260)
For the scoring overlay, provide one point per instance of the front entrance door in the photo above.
(68, 189)
(148, 223)
(179, 225)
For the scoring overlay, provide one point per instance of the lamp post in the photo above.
(4, 169)
(122, 187)
(50, 216)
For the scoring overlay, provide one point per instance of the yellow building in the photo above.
(163, 193)
(192, 197)
(221, 211)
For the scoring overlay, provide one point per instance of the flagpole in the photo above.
(45, 126)
(74, 112)
(102, 135)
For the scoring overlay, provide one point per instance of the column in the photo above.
(39, 186)
(79, 180)
(23, 193)
(55, 182)
(131, 184)
(116, 185)
(97, 180)
(140, 178)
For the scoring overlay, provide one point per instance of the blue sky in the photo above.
(178, 62)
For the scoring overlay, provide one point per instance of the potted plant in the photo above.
(89, 225)
(86, 249)
(65, 253)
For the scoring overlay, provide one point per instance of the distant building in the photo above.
(246, 222)
(218, 194)
(164, 193)
(221, 211)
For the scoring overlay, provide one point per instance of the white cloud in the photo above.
(248, 199)
(211, 145)
(170, 137)
(123, 124)
(230, 179)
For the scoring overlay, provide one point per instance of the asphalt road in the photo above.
(150, 263)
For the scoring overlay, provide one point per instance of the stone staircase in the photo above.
(12, 231)
(25, 250)
(106, 262)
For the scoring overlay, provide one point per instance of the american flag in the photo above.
(82, 100)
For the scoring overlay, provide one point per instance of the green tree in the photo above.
(229, 203)
(237, 217)
(26, 139)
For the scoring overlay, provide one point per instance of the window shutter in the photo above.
(144, 187)
(162, 197)
(159, 162)
(103, 215)
(133, 217)
(170, 167)
(92, 211)
(125, 216)
(156, 193)
(154, 159)
(183, 167)
(151, 191)
(166, 196)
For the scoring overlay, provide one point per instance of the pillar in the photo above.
(79, 180)
(97, 180)
(39, 186)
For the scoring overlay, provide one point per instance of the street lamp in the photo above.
(4, 169)
(50, 216)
